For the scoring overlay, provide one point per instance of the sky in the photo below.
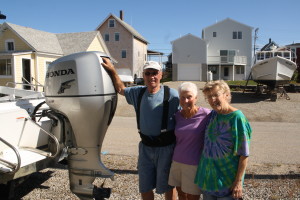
(160, 21)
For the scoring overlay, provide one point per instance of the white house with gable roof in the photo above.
(189, 59)
(229, 49)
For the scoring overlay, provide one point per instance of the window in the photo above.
(117, 36)
(260, 56)
(214, 34)
(5, 67)
(240, 69)
(123, 54)
(47, 66)
(237, 35)
(111, 23)
(231, 54)
(234, 35)
(269, 55)
(227, 55)
(240, 36)
(106, 37)
(278, 54)
(223, 54)
(9, 45)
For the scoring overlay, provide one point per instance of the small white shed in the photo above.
(189, 59)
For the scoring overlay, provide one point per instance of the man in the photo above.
(156, 147)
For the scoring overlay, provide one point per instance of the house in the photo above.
(295, 48)
(189, 59)
(229, 49)
(272, 49)
(125, 44)
(25, 53)
(269, 46)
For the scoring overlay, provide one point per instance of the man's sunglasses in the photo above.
(151, 73)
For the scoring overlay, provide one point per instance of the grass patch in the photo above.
(250, 82)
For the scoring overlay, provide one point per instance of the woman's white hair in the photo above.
(188, 87)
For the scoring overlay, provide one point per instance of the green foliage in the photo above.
(295, 76)
(243, 83)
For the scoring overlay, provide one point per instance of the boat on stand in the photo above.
(66, 122)
(274, 69)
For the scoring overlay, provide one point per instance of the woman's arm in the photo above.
(237, 186)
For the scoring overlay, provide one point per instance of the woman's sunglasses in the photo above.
(151, 73)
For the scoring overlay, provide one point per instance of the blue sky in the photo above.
(159, 21)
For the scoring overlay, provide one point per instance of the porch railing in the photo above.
(219, 60)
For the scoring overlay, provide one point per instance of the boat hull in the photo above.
(273, 71)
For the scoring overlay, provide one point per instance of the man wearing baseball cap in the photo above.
(155, 106)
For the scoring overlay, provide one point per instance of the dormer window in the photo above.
(111, 23)
(9, 45)
(214, 34)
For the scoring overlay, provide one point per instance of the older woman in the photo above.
(190, 126)
(224, 159)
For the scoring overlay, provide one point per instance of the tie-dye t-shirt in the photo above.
(226, 138)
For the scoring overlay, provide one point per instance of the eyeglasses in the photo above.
(213, 96)
(151, 73)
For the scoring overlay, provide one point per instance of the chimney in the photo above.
(121, 15)
(270, 40)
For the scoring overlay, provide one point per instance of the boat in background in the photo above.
(274, 71)
(274, 68)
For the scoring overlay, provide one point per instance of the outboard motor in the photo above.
(79, 88)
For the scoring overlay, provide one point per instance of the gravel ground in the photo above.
(263, 181)
(260, 182)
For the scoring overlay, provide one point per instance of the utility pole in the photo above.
(254, 46)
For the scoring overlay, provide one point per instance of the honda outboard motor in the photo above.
(80, 89)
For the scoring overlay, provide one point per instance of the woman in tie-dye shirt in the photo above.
(223, 162)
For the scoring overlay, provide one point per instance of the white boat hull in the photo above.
(273, 71)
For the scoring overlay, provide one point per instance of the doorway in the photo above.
(26, 78)
(226, 72)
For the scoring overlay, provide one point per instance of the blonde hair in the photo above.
(218, 85)
(188, 87)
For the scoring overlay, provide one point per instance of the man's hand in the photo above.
(108, 65)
